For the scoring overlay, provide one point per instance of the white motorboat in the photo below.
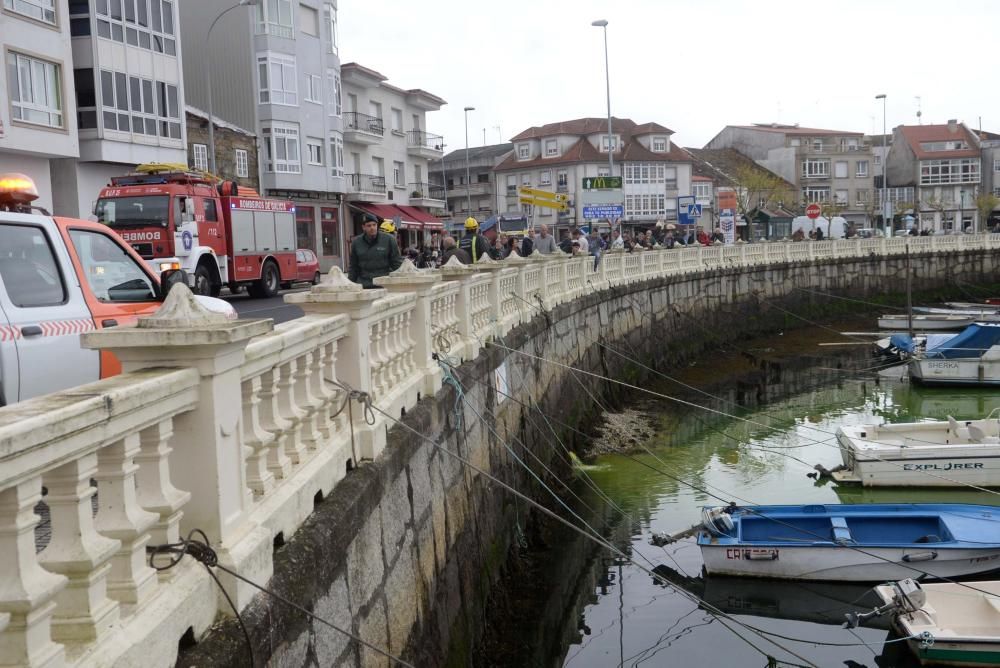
(939, 453)
(925, 322)
(969, 358)
(946, 623)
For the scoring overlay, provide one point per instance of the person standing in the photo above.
(528, 243)
(373, 254)
(579, 238)
(617, 243)
(474, 243)
(452, 249)
(545, 242)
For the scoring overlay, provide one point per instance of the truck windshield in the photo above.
(517, 226)
(133, 211)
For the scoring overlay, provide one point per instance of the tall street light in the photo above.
(607, 81)
(208, 80)
(468, 189)
(885, 164)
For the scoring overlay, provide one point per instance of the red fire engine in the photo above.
(220, 234)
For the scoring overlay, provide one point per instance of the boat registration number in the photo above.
(950, 466)
(942, 365)
(752, 554)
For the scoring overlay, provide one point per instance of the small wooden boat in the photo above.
(946, 623)
(925, 322)
(851, 543)
(935, 453)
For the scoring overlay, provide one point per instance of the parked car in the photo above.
(308, 266)
(60, 277)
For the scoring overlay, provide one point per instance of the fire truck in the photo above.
(218, 232)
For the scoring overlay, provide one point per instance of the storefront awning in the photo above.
(428, 221)
(406, 217)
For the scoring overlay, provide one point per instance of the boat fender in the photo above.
(920, 556)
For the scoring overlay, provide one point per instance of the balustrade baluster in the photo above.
(84, 613)
(155, 490)
(271, 420)
(290, 412)
(306, 367)
(257, 439)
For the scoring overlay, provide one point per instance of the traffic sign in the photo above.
(610, 211)
(602, 182)
(542, 194)
(694, 210)
(545, 203)
(813, 210)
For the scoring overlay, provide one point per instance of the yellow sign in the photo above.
(543, 194)
(546, 203)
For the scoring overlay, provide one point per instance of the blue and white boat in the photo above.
(971, 357)
(851, 543)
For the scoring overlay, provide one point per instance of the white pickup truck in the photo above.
(60, 277)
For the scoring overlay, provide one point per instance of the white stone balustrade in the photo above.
(232, 427)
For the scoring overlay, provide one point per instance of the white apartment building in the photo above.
(38, 119)
(942, 164)
(389, 155)
(558, 156)
(275, 68)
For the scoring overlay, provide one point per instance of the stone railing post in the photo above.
(541, 261)
(209, 438)
(492, 267)
(409, 279)
(524, 307)
(453, 270)
(337, 295)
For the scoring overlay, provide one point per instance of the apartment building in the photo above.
(989, 144)
(942, 165)
(37, 120)
(275, 70)
(389, 154)
(477, 197)
(831, 167)
(559, 156)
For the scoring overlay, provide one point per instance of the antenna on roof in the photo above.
(919, 112)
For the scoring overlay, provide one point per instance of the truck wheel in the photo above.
(203, 281)
(269, 281)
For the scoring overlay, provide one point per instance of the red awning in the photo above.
(392, 212)
(416, 213)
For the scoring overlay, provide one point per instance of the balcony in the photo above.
(422, 144)
(362, 129)
(430, 195)
(365, 186)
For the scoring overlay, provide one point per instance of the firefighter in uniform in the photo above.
(474, 243)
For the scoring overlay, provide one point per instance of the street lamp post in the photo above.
(208, 81)
(885, 164)
(602, 23)
(468, 190)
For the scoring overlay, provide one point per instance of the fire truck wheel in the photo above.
(203, 282)
(269, 281)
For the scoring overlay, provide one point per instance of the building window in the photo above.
(276, 83)
(398, 174)
(418, 173)
(523, 151)
(305, 227)
(35, 90)
(996, 165)
(397, 120)
(40, 10)
(309, 20)
(314, 147)
(840, 169)
(863, 197)
(659, 144)
(551, 147)
(333, 79)
(281, 146)
(701, 190)
(604, 171)
(148, 24)
(562, 179)
(114, 101)
(199, 157)
(996, 192)
(329, 227)
(861, 168)
(652, 205)
(511, 184)
(878, 159)
(153, 104)
(375, 109)
(545, 178)
(79, 18)
(242, 163)
(144, 119)
(613, 142)
(841, 197)
(167, 110)
(274, 17)
(313, 93)
(336, 156)
(815, 169)
(933, 172)
(86, 99)
(332, 39)
(645, 172)
(378, 164)
(526, 180)
(818, 195)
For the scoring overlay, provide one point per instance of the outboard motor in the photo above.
(907, 597)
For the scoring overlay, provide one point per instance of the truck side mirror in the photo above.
(170, 278)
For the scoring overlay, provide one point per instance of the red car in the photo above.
(307, 267)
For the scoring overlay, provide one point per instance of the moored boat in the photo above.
(851, 543)
(935, 453)
(971, 357)
(925, 322)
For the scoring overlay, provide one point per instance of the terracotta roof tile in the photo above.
(915, 135)
(794, 129)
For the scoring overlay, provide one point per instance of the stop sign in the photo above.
(813, 211)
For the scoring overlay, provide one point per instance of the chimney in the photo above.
(952, 125)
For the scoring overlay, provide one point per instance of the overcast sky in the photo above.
(692, 65)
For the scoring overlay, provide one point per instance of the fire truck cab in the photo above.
(219, 233)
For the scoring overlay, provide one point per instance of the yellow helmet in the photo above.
(387, 227)
(471, 223)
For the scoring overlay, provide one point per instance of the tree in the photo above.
(986, 202)
(756, 188)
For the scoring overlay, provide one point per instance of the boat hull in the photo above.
(960, 371)
(835, 562)
(925, 322)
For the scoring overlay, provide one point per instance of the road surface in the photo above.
(275, 307)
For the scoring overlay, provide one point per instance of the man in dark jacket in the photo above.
(373, 254)
(474, 243)
(451, 249)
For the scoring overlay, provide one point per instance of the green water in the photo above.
(753, 456)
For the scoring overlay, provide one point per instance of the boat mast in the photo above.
(909, 291)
